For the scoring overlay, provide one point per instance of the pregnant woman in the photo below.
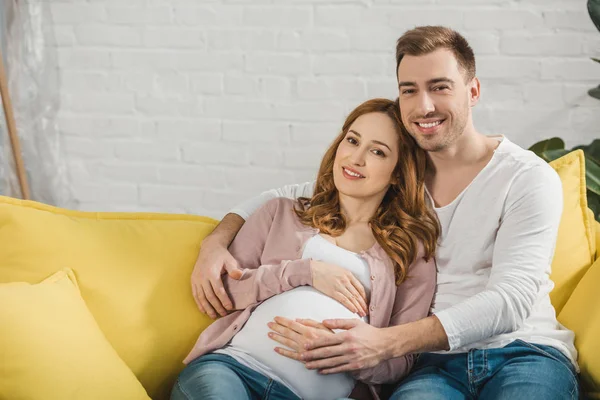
(364, 241)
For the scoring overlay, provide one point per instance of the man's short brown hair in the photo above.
(426, 39)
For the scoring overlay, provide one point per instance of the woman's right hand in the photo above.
(339, 284)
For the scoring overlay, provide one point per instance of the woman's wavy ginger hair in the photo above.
(403, 219)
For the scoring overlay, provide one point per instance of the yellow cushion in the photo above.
(581, 314)
(133, 271)
(52, 348)
(597, 230)
(576, 243)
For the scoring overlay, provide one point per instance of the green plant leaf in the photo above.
(593, 7)
(540, 148)
(595, 92)
(591, 150)
(592, 175)
(594, 204)
(551, 155)
(596, 59)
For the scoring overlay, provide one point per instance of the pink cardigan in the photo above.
(269, 247)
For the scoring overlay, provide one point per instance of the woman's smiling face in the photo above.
(366, 158)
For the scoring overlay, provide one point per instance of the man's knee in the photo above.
(535, 376)
(557, 388)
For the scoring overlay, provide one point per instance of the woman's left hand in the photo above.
(296, 334)
(360, 346)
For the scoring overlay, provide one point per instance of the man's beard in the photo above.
(438, 142)
(442, 140)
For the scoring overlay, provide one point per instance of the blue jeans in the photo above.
(519, 370)
(219, 376)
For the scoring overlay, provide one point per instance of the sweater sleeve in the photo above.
(412, 303)
(249, 206)
(521, 261)
(260, 281)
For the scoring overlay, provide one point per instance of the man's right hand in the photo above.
(213, 261)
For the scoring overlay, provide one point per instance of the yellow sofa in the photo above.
(99, 306)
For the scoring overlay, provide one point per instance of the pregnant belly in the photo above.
(302, 302)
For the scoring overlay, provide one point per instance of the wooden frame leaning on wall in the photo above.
(12, 133)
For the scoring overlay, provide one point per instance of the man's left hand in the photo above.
(358, 346)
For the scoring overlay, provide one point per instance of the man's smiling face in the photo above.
(435, 100)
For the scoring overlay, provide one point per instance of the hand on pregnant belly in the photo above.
(359, 346)
(340, 284)
(254, 342)
(296, 335)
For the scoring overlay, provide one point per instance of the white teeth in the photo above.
(429, 125)
(352, 173)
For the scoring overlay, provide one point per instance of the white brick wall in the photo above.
(192, 106)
